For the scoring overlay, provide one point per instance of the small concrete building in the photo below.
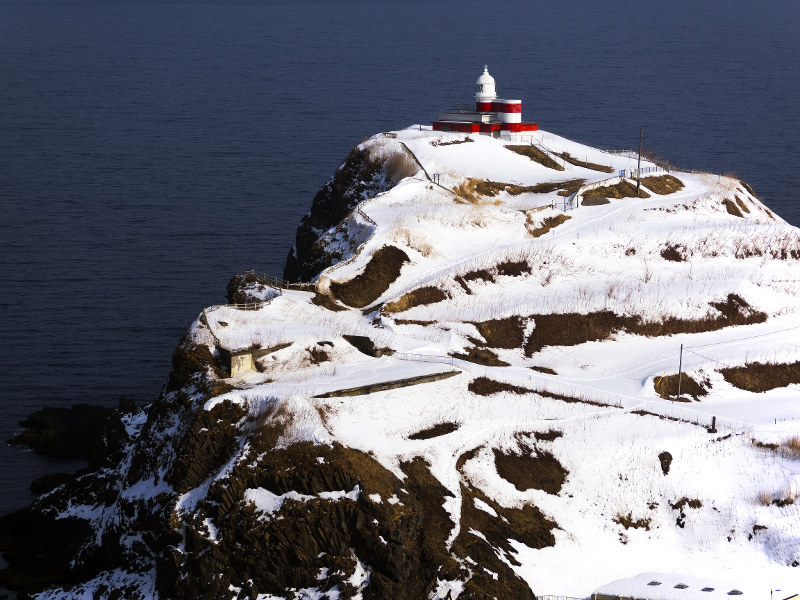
(663, 586)
(492, 115)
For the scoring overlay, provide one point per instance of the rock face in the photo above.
(359, 177)
(387, 532)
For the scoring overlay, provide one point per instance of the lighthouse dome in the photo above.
(484, 87)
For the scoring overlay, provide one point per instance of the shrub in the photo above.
(673, 253)
(667, 387)
(665, 459)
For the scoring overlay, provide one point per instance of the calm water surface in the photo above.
(149, 150)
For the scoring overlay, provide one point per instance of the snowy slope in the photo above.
(595, 406)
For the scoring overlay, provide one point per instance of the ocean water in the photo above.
(151, 149)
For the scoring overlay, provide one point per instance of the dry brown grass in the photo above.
(483, 386)
(419, 297)
(764, 498)
(317, 355)
(731, 207)
(451, 142)
(628, 522)
(326, 302)
(663, 184)
(762, 377)
(546, 370)
(595, 201)
(623, 189)
(531, 469)
(513, 268)
(673, 252)
(399, 166)
(547, 224)
(480, 356)
(792, 446)
(381, 270)
(536, 155)
(570, 187)
(750, 190)
(587, 165)
(667, 387)
(471, 189)
(571, 329)
(740, 203)
(437, 430)
(503, 333)
(479, 275)
(413, 322)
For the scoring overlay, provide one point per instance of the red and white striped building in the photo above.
(492, 115)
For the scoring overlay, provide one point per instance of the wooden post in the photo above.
(639, 170)
(680, 368)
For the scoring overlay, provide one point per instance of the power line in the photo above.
(752, 337)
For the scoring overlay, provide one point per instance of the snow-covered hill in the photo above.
(530, 441)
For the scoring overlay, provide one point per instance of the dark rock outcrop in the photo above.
(358, 178)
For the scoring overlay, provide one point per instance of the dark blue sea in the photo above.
(151, 149)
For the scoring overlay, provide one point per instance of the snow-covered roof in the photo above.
(485, 77)
(485, 87)
(665, 586)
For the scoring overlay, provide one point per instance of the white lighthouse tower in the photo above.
(492, 116)
(484, 88)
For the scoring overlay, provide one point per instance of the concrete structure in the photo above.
(666, 586)
(237, 362)
(493, 116)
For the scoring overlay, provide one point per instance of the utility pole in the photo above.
(639, 166)
(680, 369)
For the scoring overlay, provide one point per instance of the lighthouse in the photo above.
(497, 117)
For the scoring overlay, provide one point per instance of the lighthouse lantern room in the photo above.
(492, 115)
